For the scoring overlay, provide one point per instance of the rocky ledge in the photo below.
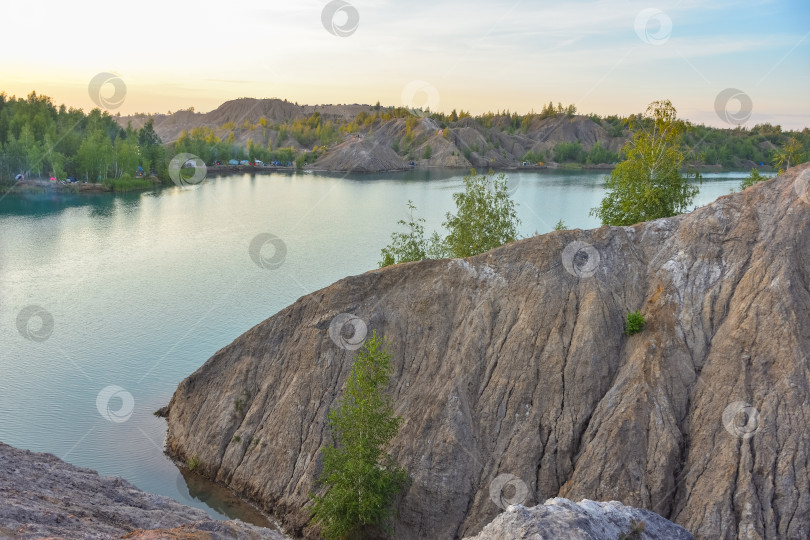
(586, 520)
(515, 362)
(41, 496)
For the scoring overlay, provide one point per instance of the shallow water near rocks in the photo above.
(137, 290)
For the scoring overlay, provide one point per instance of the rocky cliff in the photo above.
(516, 382)
(41, 496)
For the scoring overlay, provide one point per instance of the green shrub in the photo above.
(569, 151)
(635, 323)
(193, 462)
(752, 179)
(485, 219)
(406, 246)
(600, 154)
(239, 403)
(128, 183)
(534, 156)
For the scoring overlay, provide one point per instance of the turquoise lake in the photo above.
(137, 290)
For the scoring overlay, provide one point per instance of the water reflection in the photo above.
(41, 204)
(103, 204)
(192, 486)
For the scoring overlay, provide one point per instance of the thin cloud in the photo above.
(479, 55)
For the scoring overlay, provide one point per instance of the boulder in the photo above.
(585, 520)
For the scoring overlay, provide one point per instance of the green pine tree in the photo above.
(361, 480)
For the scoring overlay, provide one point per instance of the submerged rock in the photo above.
(42, 496)
(514, 362)
(585, 520)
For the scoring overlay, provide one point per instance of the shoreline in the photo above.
(40, 185)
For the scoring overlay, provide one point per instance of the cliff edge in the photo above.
(41, 496)
(514, 362)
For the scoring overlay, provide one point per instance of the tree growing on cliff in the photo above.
(649, 184)
(791, 153)
(485, 218)
(753, 178)
(406, 246)
(361, 480)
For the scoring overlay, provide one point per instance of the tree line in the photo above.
(37, 138)
(728, 148)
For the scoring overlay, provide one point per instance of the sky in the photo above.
(720, 62)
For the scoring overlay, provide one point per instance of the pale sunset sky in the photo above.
(604, 56)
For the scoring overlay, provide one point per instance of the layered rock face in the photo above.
(586, 520)
(41, 496)
(516, 382)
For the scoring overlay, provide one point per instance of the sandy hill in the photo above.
(464, 143)
(169, 126)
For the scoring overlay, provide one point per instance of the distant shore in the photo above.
(39, 185)
(29, 185)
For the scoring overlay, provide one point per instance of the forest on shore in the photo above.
(39, 139)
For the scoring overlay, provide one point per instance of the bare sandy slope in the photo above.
(465, 143)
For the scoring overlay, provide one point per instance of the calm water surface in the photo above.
(143, 288)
